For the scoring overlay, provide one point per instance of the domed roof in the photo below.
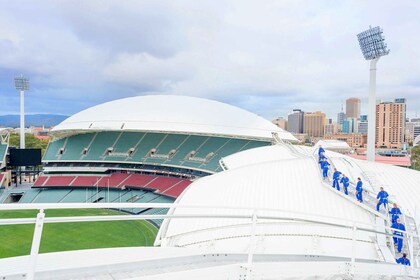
(172, 113)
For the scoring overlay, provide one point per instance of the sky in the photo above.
(268, 57)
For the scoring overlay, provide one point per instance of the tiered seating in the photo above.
(142, 143)
(85, 181)
(138, 180)
(192, 143)
(53, 148)
(163, 183)
(59, 181)
(40, 181)
(29, 196)
(114, 180)
(75, 196)
(148, 142)
(176, 190)
(103, 141)
(127, 140)
(167, 185)
(75, 146)
(51, 196)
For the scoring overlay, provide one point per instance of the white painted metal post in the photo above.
(372, 111)
(36, 242)
(353, 252)
(411, 247)
(22, 119)
(251, 245)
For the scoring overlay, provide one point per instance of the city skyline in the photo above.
(267, 58)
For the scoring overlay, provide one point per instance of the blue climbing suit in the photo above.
(383, 199)
(395, 212)
(336, 178)
(345, 182)
(403, 261)
(359, 189)
(321, 160)
(321, 151)
(325, 169)
(398, 236)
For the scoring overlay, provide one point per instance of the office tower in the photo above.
(314, 124)
(295, 121)
(390, 124)
(353, 108)
(280, 122)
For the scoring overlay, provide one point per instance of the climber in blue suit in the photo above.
(325, 169)
(395, 213)
(359, 190)
(403, 260)
(382, 199)
(398, 236)
(336, 178)
(345, 181)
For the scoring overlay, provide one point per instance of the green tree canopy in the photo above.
(30, 142)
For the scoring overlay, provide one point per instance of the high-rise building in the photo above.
(295, 121)
(331, 128)
(314, 124)
(390, 124)
(363, 118)
(353, 108)
(362, 127)
(350, 125)
(280, 122)
(416, 131)
(341, 117)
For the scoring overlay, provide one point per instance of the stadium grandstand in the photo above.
(142, 149)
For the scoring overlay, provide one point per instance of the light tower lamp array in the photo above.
(373, 46)
(22, 84)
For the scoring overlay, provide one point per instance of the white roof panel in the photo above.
(172, 113)
(292, 185)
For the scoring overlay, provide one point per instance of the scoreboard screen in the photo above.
(24, 157)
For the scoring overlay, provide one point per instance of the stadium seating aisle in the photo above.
(177, 189)
(50, 196)
(85, 181)
(75, 146)
(100, 144)
(29, 196)
(40, 181)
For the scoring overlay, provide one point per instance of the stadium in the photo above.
(230, 194)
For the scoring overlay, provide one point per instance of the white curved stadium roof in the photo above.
(172, 113)
(291, 184)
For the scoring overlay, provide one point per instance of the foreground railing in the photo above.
(251, 214)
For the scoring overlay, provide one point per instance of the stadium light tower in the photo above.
(22, 84)
(373, 46)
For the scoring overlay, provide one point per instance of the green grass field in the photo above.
(16, 240)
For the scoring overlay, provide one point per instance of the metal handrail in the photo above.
(252, 216)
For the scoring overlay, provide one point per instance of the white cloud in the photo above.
(268, 57)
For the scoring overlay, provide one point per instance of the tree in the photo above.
(415, 157)
(30, 142)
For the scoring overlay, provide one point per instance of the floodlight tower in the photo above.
(22, 84)
(373, 46)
